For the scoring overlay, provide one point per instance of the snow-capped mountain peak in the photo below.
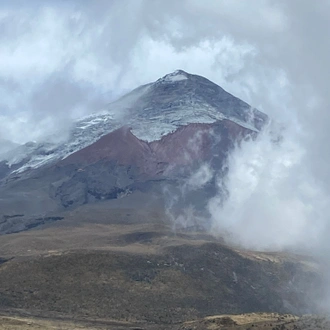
(152, 111)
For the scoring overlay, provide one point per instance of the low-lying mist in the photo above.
(273, 202)
(267, 198)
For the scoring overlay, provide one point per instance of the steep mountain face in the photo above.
(159, 132)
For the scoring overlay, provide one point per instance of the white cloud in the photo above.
(272, 202)
(101, 49)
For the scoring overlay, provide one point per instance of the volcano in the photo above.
(159, 133)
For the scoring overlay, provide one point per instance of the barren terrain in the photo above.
(107, 266)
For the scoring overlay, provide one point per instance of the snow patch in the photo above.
(177, 75)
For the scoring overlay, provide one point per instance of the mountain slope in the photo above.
(154, 137)
(152, 111)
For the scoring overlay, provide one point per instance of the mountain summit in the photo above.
(180, 98)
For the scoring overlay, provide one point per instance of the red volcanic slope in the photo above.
(186, 144)
(120, 145)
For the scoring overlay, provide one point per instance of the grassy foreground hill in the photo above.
(106, 267)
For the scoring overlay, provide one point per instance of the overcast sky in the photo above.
(60, 59)
(63, 59)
